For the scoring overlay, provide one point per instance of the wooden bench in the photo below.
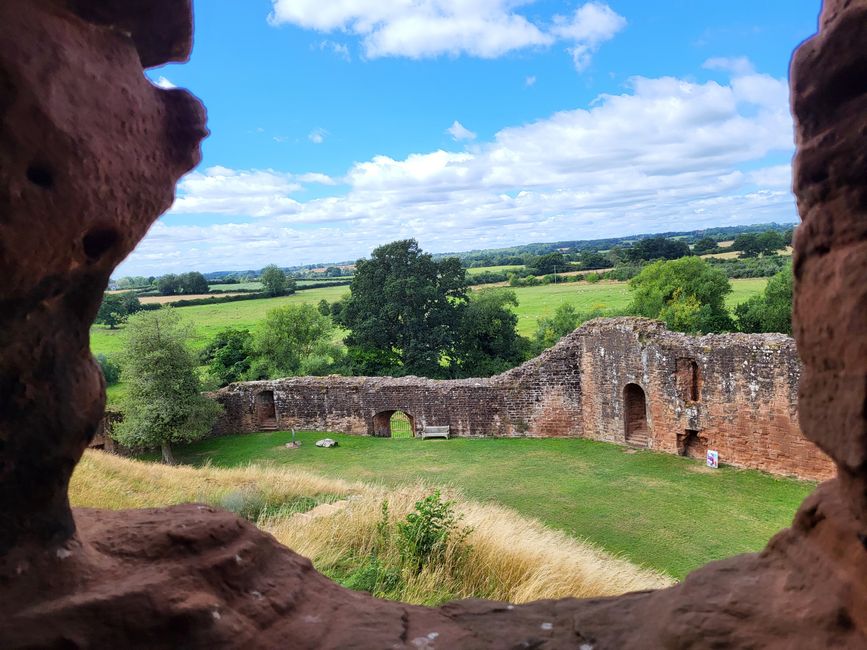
(434, 432)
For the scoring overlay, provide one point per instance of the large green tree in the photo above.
(657, 248)
(488, 340)
(771, 311)
(164, 404)
(688, 294)
(404, 311)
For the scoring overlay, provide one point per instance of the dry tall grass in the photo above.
(511, 558)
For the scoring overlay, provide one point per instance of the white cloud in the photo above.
(428, 28)
(317, 136)
(339, 49)
(162, 82)
(590, 26)
(736, 65)
(530, 81)
(459, 132)
(668, 153)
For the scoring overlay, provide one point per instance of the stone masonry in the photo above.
(624, 380)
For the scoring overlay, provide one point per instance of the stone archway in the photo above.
(635, 425)
(266, 411)
(384, 420)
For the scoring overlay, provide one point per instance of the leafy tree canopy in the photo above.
(489, 342)
(293, 340)
(657, 248)
(164, 404)
(404, 310)
(229, 356)
(770, 311)
(275, 281)
(116, 308)
(688, 294)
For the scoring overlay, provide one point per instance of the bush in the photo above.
(592, 278)
(110, 369)
(424, 535)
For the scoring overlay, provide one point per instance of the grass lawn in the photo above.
(658, 510)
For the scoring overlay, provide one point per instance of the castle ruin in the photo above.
(626, 380)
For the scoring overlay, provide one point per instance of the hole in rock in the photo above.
(40, 175)
(98, 241)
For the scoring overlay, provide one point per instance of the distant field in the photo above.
(541, 302)
(164, 300)
(210, 319)
(493, 269)
(535, 303)
(245, 286)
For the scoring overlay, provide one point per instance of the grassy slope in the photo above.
(510, 558)
(662, 511)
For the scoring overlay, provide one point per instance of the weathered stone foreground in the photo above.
(89, 153)
(624, 380)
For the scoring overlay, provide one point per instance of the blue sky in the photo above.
(339, 125)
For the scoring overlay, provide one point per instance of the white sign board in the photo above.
(713, 459)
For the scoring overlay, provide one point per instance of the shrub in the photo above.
(110, 369)
(424, 535)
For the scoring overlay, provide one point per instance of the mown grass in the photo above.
(658, 510)
(337, 525)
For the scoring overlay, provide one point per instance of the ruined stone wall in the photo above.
(734, 393)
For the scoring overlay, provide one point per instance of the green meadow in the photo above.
(661, 511)
(534, 303)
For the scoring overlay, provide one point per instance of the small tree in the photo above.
(274, 280)
(193, 283)
(229, 355)
(115, 308)
(704, 245)
(550, 330)
(291, 335)
(772, 310)
(164, 404)
(688, 294)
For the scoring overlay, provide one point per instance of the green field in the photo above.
(493, 269)
(541, 302)
(661, 511)
(240, 286)
(210, 319)
(534, 303)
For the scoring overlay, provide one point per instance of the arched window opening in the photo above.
(393, 424)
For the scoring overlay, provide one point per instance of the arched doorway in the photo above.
(266, 411)
(635, 416)
(393, 424)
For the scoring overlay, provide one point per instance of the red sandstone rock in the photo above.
(80, 181)
(90, 152)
